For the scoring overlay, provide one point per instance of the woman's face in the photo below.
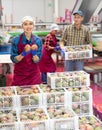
(28, 26)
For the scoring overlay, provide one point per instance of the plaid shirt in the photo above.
(73, 36)
(50, 40)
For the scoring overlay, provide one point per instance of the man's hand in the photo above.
(61, 45)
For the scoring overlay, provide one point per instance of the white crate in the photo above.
(34, 125)
(78, 52)
(80, 100)
(28, 97)
(7, 97)
(68, 79)
(91, 122)
(33, 119)
(9, 120)
(62, 118)
(53, 96)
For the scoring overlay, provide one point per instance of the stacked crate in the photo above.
(33, 119)
(28, 96)
(79, 95)
(80, 100)
(8, 114)
(62, 118)
(53, 97)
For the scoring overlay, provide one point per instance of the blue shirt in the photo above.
(14, 46)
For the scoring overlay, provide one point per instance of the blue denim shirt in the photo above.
(14, 46)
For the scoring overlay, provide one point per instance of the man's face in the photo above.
(78, 19)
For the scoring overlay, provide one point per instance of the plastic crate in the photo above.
(91, 122)
(33, 119)
(53, 96)
(29, 96)
(62, 118)
(68, 79)
(78, 52)
(7, 97)
(8, 120)
(5, 49)
(80, 100)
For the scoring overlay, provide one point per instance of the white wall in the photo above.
(14, 10)
(65, 4)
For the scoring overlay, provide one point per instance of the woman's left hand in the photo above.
(35, 59)
(34, 47)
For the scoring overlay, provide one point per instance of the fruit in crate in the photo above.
(7, 116)
(1, 102)
(34, 100)
(85, 108)
(89, 123)
(53, 95)
(84, 96)
(59, 112)
(70, 82)
(7, 91)
(76, 108)
(34, 114)
(76, 97)
(27, 90)
(65, 82)
(25, 100)
(47, 89)
(29, 95)
(8, 102)
(58, 83)
(79, 94)
(6, 97)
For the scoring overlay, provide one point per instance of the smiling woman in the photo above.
(26, 53)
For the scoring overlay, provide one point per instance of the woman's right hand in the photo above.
(27, 48)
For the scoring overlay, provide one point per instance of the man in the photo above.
(75, 34)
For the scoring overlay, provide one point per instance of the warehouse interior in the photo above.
(69, 100)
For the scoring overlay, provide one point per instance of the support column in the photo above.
(56, 9)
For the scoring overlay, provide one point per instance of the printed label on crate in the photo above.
(64, 126)
(35, 128)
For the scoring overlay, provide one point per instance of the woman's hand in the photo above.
(34, 47)
(35, 58)
(50, 47)
(27, 50)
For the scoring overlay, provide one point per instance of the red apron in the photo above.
(46, 63)
(26, 72)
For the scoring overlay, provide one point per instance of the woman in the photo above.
(26, 53)
(46, 63)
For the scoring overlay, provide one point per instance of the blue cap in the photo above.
(79, 12)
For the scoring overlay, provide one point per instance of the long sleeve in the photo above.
(14, 49)
(64, 36)
(38, 41)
